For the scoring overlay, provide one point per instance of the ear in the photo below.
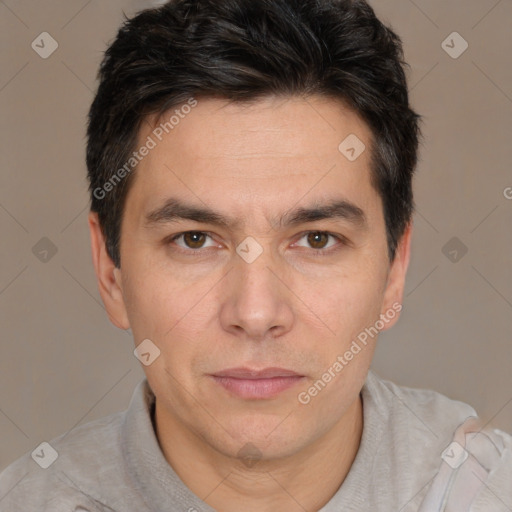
(394, 292)
(108, 276)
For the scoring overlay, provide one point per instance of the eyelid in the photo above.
(172, 238)
(340, 238)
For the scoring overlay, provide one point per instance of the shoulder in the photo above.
(52, 477)
(424, 408)
(447, 444)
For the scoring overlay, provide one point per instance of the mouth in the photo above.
(252, 384)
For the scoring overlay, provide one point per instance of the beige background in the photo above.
(63, 364)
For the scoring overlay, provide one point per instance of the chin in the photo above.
(265, 438)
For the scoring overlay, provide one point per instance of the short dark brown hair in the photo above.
(243, 50)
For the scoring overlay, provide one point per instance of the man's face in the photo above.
(259, 291)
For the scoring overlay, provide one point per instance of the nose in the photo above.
(257, 302)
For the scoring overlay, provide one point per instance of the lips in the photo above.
(252, 384)
(247, 373)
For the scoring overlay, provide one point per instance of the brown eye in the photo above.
(318, 239)
(192, 243)
(194, 239)
(322, 243)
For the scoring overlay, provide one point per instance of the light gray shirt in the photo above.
(414, 456)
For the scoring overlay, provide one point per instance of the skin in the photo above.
(207, 309)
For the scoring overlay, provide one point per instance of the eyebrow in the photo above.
(174, 210)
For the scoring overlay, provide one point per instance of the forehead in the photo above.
(318, 121)
(267, 154)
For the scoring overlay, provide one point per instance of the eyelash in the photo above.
(318, 252)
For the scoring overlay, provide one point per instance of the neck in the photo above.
(290, 483)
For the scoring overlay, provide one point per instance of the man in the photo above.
(250, 169)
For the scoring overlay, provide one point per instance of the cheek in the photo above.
(345, 302)
(172, 312)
